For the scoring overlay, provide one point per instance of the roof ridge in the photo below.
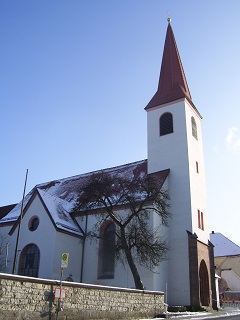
(88, 173)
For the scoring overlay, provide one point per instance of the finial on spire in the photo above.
(169, 19)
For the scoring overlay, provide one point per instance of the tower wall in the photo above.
(179, 151)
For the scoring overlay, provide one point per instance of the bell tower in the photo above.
(175, 143)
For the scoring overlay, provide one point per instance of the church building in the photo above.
(47, 226)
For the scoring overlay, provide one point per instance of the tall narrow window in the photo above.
(29, 261)
(200, 220)
(106, 251)
(197, 168)
(202, 224)
(194, 128)
(166, 123)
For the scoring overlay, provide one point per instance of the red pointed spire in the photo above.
(172, 81)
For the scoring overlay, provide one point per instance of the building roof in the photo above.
(60, 210)
(223, 246)
(6, 209)
(59, 196)
(172, 81)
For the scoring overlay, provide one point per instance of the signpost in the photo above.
(64, 261)
(60, 293)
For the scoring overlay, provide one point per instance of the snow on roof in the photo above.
(59, 196)
(223, 246)
(60, 212)
(6, 209)
(68, 188)
(13, 215)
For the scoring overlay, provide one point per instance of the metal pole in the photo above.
(166, 292)
(83, 248)
(59, 305)
(19, 226)
(6, 260)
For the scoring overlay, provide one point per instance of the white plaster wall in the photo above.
(161, 272)
(43, 236)
(197, 180)
(171, 151)
(179, 151)
(232, 279)
(217, 290)
(90, 257)
(50, 242)
(65, 243)
(122, 275)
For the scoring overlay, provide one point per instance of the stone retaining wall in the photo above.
(33, 298)
(231, 304)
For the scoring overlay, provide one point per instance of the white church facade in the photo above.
(47, 227)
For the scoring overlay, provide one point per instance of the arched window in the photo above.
(106, 256)
(29, 261)
(194, 128)
(166, 123)
(204, 284)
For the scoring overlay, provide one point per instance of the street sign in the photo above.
(64, 260)
(60, 293)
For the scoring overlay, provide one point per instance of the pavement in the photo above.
(221, 313)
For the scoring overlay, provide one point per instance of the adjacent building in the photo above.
(227, 263)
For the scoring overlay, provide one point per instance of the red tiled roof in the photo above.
(172, 81)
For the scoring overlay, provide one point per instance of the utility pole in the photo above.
(19, 226)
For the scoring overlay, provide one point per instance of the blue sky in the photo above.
(76, 75)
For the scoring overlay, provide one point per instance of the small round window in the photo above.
(33, 224)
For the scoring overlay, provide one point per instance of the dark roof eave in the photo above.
(154, 105)
(228, 255)
(73, 234)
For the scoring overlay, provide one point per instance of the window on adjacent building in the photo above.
(29, 261)
(200, 220)
(106, 256)
(166, 123)
(194, 128)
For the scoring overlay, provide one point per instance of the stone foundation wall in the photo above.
(32, 298)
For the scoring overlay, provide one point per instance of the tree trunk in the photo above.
(133, 268)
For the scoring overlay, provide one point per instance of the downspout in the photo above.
(83, 248)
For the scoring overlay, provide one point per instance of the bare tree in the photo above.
(130, 202)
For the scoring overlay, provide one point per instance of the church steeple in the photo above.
(175, 142)
(172, 81)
